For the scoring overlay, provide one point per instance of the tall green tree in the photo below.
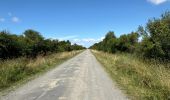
(156, 43)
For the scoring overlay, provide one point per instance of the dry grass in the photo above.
(16, 70)
(140, 79)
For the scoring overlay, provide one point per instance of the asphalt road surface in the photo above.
(80, 78)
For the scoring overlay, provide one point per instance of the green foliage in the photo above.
(33, 36)
(106, 44)
(125, 43)
(31, 44)
(154, 40)
(10, 45)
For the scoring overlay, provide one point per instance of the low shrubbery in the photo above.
(142, 80)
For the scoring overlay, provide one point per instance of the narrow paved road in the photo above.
(80, 78)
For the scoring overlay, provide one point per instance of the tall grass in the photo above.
(16, 70)
(141, 80)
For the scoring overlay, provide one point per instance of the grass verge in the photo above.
(16, 71)
(141, 80)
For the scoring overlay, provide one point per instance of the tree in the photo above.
(108, 42)
(31, 44)
(32, 35)
(156, 42)
(10, 46)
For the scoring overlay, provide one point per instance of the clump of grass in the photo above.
(141, 80)
(16, 70)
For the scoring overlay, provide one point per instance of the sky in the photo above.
(83, 22)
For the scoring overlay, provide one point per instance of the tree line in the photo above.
(31, 44)
(151, 41)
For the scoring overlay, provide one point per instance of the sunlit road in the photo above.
(80, 78)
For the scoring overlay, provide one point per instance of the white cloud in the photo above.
(10, 18)
(86, 41)
(15, 19)
(157, 2)
(2, 19)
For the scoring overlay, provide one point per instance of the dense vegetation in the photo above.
(141, 80)
(31, 44)
(155, 42)
(140, 60)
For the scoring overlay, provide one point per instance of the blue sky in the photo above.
(80, 21)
